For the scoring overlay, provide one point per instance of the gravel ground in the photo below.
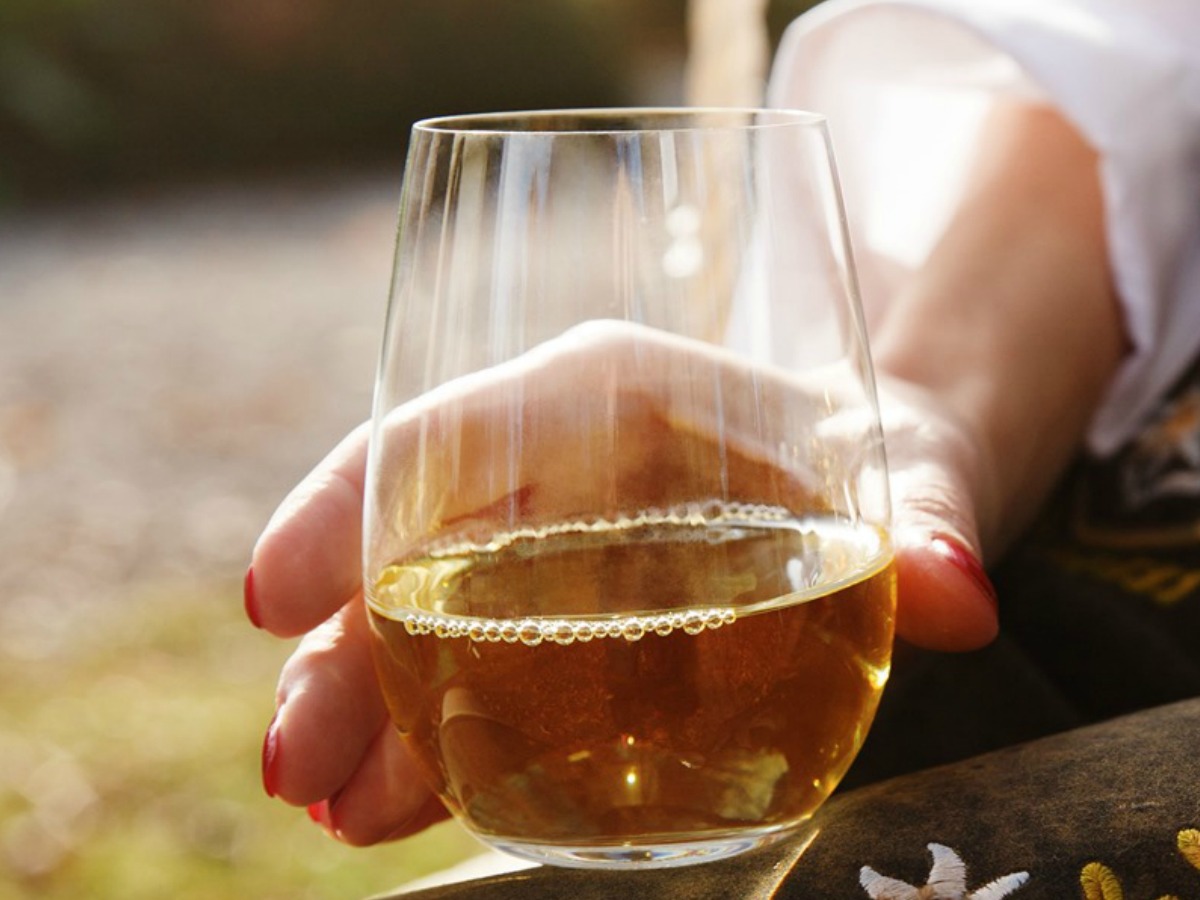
(169, 367)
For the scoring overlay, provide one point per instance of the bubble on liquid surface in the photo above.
(529, 633)
(532, 632)
(633, 629)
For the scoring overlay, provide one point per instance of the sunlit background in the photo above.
(197, 202)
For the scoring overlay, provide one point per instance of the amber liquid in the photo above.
(653, 680)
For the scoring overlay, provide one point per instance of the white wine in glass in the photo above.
(627, 554)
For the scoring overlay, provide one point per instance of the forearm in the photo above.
(1013, 321)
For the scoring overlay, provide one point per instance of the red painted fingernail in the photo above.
(319, 813)
(270, 758)
(966, 562)
(322, 814)
(250, 600)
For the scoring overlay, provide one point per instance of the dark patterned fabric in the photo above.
(1100, 612)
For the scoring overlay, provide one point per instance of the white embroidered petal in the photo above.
(880, 887)
(947, 881)
(1001, 887)
(948, 877)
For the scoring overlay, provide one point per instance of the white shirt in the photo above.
(906, 83)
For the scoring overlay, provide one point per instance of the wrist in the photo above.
(1012, 323)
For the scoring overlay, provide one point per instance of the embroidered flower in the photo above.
(947, 881)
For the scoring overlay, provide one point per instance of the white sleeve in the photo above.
(905, 85)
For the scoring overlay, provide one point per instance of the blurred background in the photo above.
(197, 203)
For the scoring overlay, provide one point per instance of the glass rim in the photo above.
(574, 121)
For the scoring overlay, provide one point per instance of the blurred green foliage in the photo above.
(116, 91)
(103, 93)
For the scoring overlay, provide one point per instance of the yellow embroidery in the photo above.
(1188, 842)
(1164, 583)
(1099, 883)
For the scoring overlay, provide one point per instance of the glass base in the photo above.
(662, 855)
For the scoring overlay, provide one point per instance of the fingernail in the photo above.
(319, 813)
(322, 813)
(966, 562)
(250, 600)
(270, 757)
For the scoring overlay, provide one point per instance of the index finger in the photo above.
(307, 563)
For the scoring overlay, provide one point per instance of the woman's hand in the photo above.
(990, 366)
(331, 746)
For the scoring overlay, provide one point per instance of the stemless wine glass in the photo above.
(626, 540)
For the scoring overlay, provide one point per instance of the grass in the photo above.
(131, 767)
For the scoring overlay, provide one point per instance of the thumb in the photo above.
(944, 598)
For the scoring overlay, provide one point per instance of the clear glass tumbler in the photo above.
(626, 541)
